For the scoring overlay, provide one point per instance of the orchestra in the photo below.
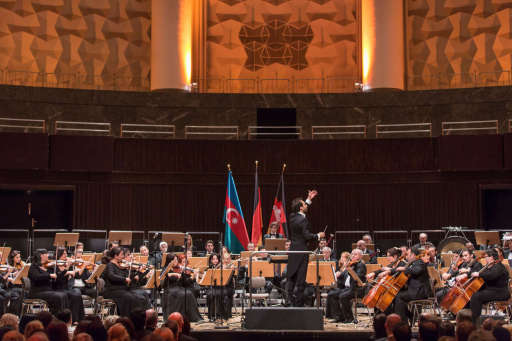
(469, 278)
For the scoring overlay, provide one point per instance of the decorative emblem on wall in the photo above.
(276, 41)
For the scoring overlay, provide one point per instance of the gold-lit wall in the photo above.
(459, 43)
(282, 45)
(75, 43)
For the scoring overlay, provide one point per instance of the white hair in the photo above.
(163, 243)
(326, 248)
(358, 251)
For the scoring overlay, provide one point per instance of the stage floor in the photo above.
(332, 331)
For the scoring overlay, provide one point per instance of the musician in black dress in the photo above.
(83, 271)
(459, 272)
(117, 283)
(495, 287)
(139, 275)
(219, 299)
(340, 301)
(15, 290)
(298, 263)
(64, 283)
(418, 285)
(41, 282)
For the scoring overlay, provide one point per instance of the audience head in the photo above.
(428, 330)
(391, 321)
(83, 337)
(128, 325)
(489, 324)
(446, 329)
(173, 326)
(481, 335)
(501, 334)
(379, 326)
(96, 329)
(57, 331)
(13, 335)
(38, 336)
(33, 327)
(178, 318)
(402, 331)
(45, 317)
(151, 319)
(9, 320)
(464, 315)
(82, 327)
(463, 330)
(64, 316)
(118, 333)
(165, 333)
(4, 330)
(109, 321)
(138, 318)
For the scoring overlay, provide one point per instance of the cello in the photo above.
(373, 296)
(467, 290)
(457, 288)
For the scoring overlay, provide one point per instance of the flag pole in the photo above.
(280, 177)
(229, 167)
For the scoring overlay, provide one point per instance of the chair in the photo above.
(491, 308)
(31, 305)
(104, 306)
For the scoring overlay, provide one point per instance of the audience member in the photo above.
(176, 316)
(118, 332)
(13, 335)
(501, 334)
(57, 331)
(464, 315)
(378, 327)
(165, 333)
(65, 316)
(151, 320)
(8, 319)
(402, 331)
(83, 337)
(463, 330)
(138, 318)
(173, 326)
(38, 336)
(428, 330)
(96, 329)
(82, 327)
(45, 317)
(489, 324)
(481, 335)
(128, 325)
(33, 327)
(446, 329)
(391, 321)
(4, 330)
(109, 321)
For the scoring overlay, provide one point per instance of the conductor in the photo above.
(298, 263)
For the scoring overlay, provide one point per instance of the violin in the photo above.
(6, 268)
(52, 263)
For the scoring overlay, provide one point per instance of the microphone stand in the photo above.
(156, 290)
(221, 324)
(183, 273)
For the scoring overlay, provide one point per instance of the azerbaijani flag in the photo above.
(257, 221)
(236, 237)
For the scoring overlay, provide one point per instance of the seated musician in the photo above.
(219, 299)
(332, 310)
(117, 283)
(139, 275)
(15, 290)
(179, 293)
(190, 245)
(361, 245)
(274, 233)
(83, 272)
(495, 287)
(340, 301)
(433, 260)
(209, 247)
(64, 283)
(41, 283)
(423, 242)
(459, 271)
(321, 244)
(418, 285)
(144, 251)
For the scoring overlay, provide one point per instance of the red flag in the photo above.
(257, 221)
(278, 214)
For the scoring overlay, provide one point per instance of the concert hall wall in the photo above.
(180, 185)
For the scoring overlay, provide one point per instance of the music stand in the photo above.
(150, 284)
(366, 258)
(384, 261)
(173, 239)
(122, 237)
(276, 244)
(65, 239)
(96, 274)
(213, 276)
(487, 238)
(325, 271)
(5, 250)
(435, 276)
(372, 267)
(200, 263)
(314, 257)
(23, 273)
(261, 269)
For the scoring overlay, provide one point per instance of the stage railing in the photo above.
(228, 132)
(470, 127)
(343, 131)
(409, 129)
(23, 125)
(274, 131)
(148, 130)
(88, 128)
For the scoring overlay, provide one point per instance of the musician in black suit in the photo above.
(298, 263)
(495, 288)
(418, 285)
(340, 300)
(274, 233)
